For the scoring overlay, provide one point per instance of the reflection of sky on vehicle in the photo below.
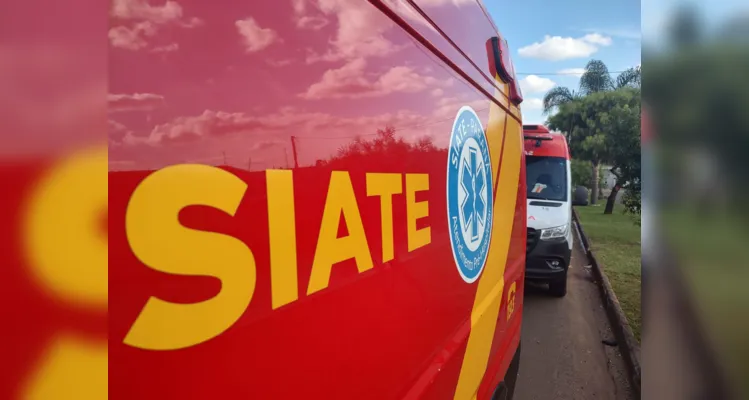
(350, 95)
(328, 71)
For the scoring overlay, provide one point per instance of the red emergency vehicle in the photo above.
(549, 183)
(320, 199)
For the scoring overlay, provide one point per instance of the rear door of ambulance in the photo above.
(312, 199)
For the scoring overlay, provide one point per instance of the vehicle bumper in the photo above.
(539, 262)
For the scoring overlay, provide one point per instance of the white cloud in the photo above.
(351, 81)
(134, 102)
(347, 81)
(448, 106)
(624, 33)
(279, 63)
(193, 22)
(536, 84)
(116, 132)
(360, 31)
(218, 124)
(150, 18)
(166, 49)
(311, 22)
(531, 110)
(116, 127)
(119, 135)
(556, 48)
(597, 38)
(141, 10)
(299, 6)
(532, 104)
(131, 38)
(212, 123)
(254, 37)
(304, 19)
(578, 72)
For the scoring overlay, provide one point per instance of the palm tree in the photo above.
(557, 96)
(595, 79)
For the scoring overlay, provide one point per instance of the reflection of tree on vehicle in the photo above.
(387, 263)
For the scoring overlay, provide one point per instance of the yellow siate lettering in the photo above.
(161, 242)
(385, 186)
(341, 201)
(415, 210)
(64, 244)
(67, 253)
(282, 235)
(73, 368)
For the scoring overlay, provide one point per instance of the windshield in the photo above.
(546, 178)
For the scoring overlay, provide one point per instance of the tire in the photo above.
(501, 393)
(511, 377)
(558, 288)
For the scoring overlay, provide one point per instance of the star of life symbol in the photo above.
(473, 206)
(469, 194)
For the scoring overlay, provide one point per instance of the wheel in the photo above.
(558, 288)
(507, 390)
(501, 393)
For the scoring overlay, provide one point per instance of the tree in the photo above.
(685, 29)
(559, 96)
(622, 127)
(596, 78)
(581, 172)
(572, 118)
(604, 127)
(386, 148)
(736, 29)
(699, 100)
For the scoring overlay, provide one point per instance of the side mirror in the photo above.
(580, 196)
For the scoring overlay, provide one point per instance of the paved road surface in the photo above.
(562, 354)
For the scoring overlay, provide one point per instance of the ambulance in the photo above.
(314, 200)
(548, 177)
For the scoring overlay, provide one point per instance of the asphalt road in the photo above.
(563, 356)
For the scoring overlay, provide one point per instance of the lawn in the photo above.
(712, 252)
(615, 240)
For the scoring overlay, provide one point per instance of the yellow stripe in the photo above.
(491, 284)
(494, 132)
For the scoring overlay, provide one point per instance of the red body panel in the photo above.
(305, 86)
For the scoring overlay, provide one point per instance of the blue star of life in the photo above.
(469, 194)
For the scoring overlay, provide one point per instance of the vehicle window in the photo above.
(546, 178)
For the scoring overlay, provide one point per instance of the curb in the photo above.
(628, 345)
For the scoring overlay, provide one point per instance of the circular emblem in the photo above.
(469, 194)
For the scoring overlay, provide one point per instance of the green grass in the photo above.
(615, 240)
(712, 251)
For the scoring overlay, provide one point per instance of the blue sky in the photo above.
(566, 35)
